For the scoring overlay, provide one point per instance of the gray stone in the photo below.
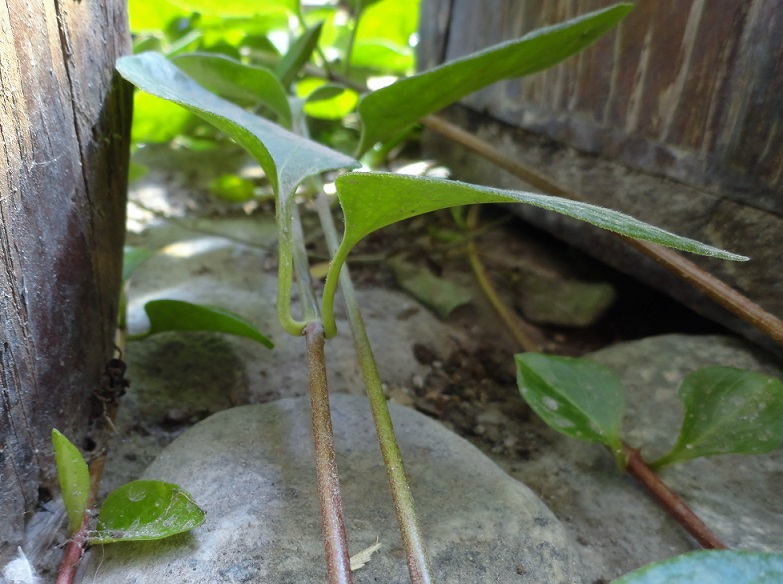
(617, 525)
(251, 469)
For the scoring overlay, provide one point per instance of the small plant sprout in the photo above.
(139, 510)
(727, 411)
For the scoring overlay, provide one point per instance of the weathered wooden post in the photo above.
(64, 127)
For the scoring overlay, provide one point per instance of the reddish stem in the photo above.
(338, 563)
(670, 501)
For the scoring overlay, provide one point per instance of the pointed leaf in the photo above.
(178, 315)
(236, 80)
(728, 411)
(713, 567)
(74, 479)
(576, 397)
(389, 110)
(300, 52)
(144, 510)
(374, 200)
(286, 158)
(235, 8)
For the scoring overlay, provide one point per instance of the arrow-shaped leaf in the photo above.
(576, 397)
(728, 411)
(145, 510)
(374, 200)
(286, 158)
(390, 110)
(178, 315)
(74, 479)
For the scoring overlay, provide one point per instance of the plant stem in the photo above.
(509, 318)
(670, 501)
(416, 554)
(712, 287)
(352, 39)
(338, 563)
(302, 269)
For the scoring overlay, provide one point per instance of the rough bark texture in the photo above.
(689, 91)
(64, 123)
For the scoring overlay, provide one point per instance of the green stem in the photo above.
(302, 268)
(413, 542)
(338, 563)
(352, 39)
(285, 270)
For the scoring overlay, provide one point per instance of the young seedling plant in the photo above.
(727, 411)
(275, 132)
(137, 511)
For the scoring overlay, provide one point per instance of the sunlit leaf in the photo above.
(374, 200)
(711, 567)
(233, 188)
(235, 80)
(432, 90)
(576, 397)
(298, 54)
(145, 510)
(178, 315)
(728, 411)
(153, 15)
(234, 8)
(74, 479)
(326, 101)
(156, 121)
(132, 258)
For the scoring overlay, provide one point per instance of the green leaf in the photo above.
(711, 567)
(153, 16)
(132, 258)
(236, 8)
(298, 54)
(326, 101)
(178, 315)
(144, 510)
(576, 397)
(157, 121)
(74, 479)
(233, 188)
(728, 411)
(374, 200)
(287, 159)
(390, 110)
(235, 80)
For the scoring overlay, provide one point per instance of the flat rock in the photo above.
(251, 468)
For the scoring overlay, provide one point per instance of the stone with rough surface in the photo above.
(251, 468)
